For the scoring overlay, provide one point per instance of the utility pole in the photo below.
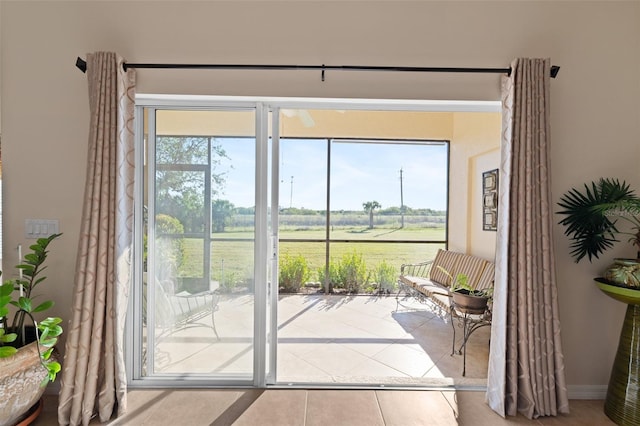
(401, 202)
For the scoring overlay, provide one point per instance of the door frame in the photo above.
(266, 233)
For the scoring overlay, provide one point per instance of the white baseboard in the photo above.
(587, 391)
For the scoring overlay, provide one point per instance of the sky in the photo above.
(360, 172)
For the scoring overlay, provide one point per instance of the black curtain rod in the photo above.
(82, 65)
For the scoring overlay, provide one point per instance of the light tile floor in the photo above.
(333, 340)
(300, 407)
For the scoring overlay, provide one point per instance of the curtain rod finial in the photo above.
(81, 64)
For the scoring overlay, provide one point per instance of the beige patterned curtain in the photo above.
(93, 376)
(526, 367)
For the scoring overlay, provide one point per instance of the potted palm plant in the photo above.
(592, 218)
(27, 358)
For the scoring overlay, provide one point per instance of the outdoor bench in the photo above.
(178, 311)
(430, 284)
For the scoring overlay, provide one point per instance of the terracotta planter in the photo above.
(470, 304)
(21, 376)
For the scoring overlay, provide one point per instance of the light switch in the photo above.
(40, 228)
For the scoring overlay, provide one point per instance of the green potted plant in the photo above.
(465, 297)
(27, 359)
(592, 217)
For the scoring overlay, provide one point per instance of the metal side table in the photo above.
(469, 320)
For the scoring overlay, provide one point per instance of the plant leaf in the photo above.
(44, 306)
(50, 321)
(7, 338)
(590, 215)
(7, 351)
(6, 289)
(47, 343)
(55, 366)
(32, 258)
(47, 354)
(24, 304)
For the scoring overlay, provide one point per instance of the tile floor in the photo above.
(330, 340)
(333, 339)
(363, 339)
(300, 407)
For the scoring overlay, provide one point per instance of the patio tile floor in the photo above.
(333, 340)
(371, 342)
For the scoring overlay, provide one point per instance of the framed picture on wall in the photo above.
(490, 200)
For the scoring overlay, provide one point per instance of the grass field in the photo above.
(232, 258)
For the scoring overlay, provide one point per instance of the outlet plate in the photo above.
(40, 228)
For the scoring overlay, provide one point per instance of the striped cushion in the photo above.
(447, 260)
(487, 277)
(472, 267)
(434, 291)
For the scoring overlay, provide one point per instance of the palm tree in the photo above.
(369, 207)
(591, 216)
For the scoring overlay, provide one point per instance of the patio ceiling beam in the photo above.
(82, 65)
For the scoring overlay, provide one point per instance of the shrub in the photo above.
(352, 272)
(385, 276)
(293, 272)
(228, 282)
(170, 249)
(334, 278)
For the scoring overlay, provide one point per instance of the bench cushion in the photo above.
(457, 263)
(434, 291)
(447, 261)
(487, 277)
(472, 267)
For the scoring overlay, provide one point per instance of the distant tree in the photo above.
(390, 211)
(222, 210)
(369, 207)
(180, 191)
(298, 211)
(245, 210)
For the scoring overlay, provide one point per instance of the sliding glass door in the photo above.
(198, 285)
(234, 196)
(352, 212)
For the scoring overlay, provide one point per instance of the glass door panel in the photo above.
(352, 211)
(388, 189)
(199, 245)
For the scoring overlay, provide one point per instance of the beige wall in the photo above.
(373, 124)
(475, 148)
(595, 109)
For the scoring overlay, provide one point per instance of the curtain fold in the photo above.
(526, 366)
(93, 377)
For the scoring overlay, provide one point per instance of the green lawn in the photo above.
(347, 233)
(234, 258)
(362, 233)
